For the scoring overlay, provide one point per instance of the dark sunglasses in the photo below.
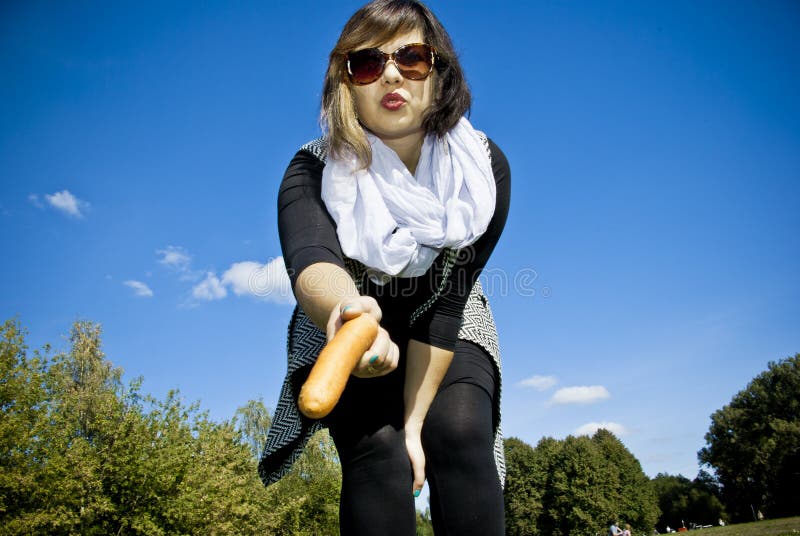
(414, 61)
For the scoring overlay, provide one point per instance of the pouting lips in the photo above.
(392, 101)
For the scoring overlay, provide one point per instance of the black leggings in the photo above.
(458, 438)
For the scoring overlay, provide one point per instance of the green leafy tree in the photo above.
(306, 501)
(424, 523)
(576, 486)
(753, 444)
(684, 501)
(22, 396)
(82, 453)
(633, 498)
(253, 422)
(526, 476)
(68, 413)
(580, 496)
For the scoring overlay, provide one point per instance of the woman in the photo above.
(394, 213)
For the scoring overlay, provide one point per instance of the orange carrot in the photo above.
(336, 361)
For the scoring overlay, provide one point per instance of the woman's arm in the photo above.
(426, 366)
(320, 288)
(324, 289)
(329, 297)
(434, 334)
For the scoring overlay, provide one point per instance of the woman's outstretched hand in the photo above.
(417, 457)
(383, 355)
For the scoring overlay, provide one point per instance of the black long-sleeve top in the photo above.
(308, 236)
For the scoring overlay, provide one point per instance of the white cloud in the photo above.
(580, 395)
(175, 257)
(269, 281)
(63, 201)
(591, 427)
(34, 198)
(139, 288)
(209, 289)
(540, 383)
(266, 281)
(239, 277)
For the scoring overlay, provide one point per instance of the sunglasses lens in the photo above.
(414, 61)
(366, 65)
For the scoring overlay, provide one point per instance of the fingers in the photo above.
(334, 323)
(384, 355)
(376, 355)
(372, 362)
(363, 304)
(381, 359)
(393, 358)
(348, 310)
(419, 476)
(417, 457)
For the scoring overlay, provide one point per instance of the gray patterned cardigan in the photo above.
(290, 430)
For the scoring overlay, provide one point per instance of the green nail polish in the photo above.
(417, 492)
(373, 359)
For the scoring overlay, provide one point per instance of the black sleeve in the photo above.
(440, 324)
(307, 232)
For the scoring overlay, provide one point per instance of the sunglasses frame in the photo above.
(390, 56)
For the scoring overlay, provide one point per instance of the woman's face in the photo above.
(392, 107)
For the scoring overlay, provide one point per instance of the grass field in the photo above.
(771, 527)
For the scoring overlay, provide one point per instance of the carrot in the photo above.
(336, 361)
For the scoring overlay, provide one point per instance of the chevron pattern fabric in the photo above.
(478, 327)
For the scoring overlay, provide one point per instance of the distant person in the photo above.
(614, 530)
(627, 531)
(393, 213)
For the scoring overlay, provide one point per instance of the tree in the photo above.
(253, 421)
(526, 475)
(82, 453)
(306, 501)
(424, 523)
(634, 499)
(684, 501)
(753, 444)
(575, 486)
(582, 490)
(22, 394)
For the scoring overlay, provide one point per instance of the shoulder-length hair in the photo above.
(379, 21)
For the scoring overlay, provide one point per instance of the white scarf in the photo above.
(397, 224)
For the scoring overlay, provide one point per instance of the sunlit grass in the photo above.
(788, 526)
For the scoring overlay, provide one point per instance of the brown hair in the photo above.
(379, 21)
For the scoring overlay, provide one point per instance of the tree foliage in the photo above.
(306, 502)
(683, 501)
(253, 421)
(575, 486)
(753, 444)
(82, 453)
(525, 481)
(424, 523)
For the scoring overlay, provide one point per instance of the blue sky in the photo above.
(651, 252)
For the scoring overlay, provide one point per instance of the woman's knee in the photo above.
(457, 424)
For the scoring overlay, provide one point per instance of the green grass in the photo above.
(788, 526)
